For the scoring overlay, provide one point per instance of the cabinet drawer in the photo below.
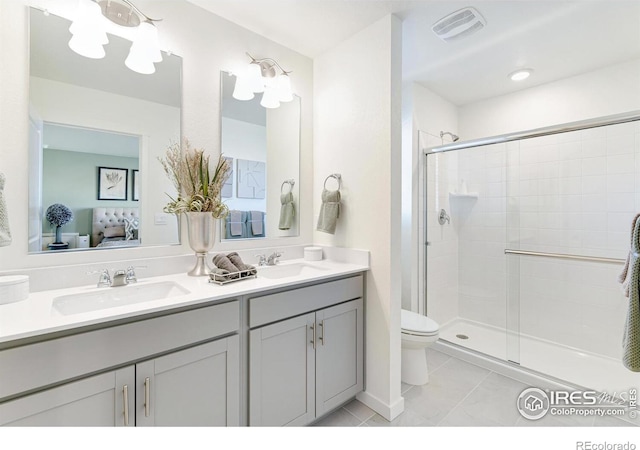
(274, 307)
(37, 365)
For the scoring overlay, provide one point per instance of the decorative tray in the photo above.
(231, 277)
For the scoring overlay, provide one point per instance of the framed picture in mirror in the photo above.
(112, 183)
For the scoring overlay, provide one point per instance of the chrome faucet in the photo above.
(120, 277)
(262, 260)
(272, 260)
(105, 278)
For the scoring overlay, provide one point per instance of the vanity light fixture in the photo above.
(89, 34)
(520, 74)
(266, 76)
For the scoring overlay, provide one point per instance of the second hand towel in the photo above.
(329, 211)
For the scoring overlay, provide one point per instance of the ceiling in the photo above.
(557, 39)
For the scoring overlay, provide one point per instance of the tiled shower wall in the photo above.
(574, 193)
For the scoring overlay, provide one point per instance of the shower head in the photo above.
(454, 137)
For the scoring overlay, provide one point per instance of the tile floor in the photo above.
(458, 394)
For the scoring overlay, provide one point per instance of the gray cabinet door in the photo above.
(339, 355)
(198, 386)
(93, 401)
(282, 373)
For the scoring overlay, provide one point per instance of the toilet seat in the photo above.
(417, 324)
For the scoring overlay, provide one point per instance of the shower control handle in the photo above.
(443, 217)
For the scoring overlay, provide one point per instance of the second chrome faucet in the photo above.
(271, 260)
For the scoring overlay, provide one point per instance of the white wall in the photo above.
(610, 90)
(207, 44)
(357, 126)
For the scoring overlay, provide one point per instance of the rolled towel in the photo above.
(287, 211)
(329, 211)
(237, 261)
(250, 270)
(218, 274)
(235, 223)
(222, 262)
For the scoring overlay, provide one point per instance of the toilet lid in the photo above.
(417, 323)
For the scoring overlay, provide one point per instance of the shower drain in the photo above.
(462, 336)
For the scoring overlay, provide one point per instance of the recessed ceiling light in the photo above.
(520, 74)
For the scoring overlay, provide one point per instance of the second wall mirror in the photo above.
(263, 147)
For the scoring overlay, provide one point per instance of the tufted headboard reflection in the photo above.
(104, 218)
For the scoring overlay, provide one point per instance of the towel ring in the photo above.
(335, 176)
(290, 182)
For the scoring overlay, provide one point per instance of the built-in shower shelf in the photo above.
(468, 195)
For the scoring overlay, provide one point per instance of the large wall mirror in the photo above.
(96, 130)
(263, 147)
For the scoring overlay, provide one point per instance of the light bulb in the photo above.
(139, 62)
(85, 46)
(270, 98)
(254, 77)
(88, 30)
(521, 74)
(283, 86)
(241, 91)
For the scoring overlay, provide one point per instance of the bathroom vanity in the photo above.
(284, 348)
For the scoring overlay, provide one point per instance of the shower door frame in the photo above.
(631, 116)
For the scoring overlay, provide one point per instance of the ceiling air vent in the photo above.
(459, 24)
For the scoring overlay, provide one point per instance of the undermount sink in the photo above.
(289, 270)
(116, 296)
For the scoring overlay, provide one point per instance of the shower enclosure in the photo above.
(526, 269)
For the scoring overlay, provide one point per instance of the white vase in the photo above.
(202, 233)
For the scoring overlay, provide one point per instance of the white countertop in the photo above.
(36, 316)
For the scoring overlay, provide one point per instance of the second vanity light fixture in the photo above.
(261, 76)
(89, 33)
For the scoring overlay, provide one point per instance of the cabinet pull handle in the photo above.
(147, 387)
(313, 339)
(322, 337)
(125, 399)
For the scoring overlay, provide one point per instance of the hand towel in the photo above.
(287, 211)
(631, 335)
(235, 223)
(329, 211)
(624, 276)
(5, 233)
(256, 219)
(222, 262)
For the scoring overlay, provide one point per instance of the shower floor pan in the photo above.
(577, 367)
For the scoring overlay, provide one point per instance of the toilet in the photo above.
(418, 332)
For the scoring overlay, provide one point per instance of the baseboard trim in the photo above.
(387, 411)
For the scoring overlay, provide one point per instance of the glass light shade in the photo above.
(88, 30)
(147, 42)
(139, 62)
(241, 91)
(87, 46)
(255, 79)
(270, 98)
(283, 86)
